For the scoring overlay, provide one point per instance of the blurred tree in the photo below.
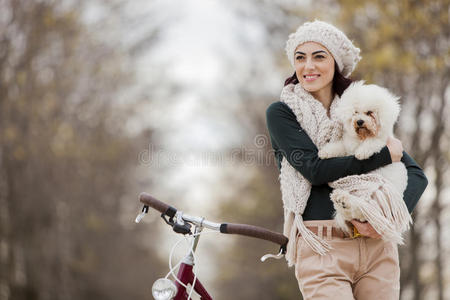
(65, 161)
(405, 48)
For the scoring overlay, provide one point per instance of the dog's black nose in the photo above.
(360, 122)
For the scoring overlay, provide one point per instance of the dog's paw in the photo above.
(333, 149)
(362, 153)
(324, 153)
(340, 200)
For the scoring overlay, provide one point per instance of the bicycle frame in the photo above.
(186, 275)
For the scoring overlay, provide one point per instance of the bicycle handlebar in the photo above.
(254, 231)
(153, 202)
(230, 228)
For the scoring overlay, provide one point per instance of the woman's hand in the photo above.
(364, 228)
(395, 148)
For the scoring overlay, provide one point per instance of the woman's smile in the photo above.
(311, 77)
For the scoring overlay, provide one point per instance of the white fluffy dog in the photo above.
(368, 114)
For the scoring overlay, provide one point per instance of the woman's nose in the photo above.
(309, 64)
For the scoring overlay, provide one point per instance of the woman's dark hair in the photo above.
(340, 83)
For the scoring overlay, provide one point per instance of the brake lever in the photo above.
(278, 256)
(180, 226)
(142, 214)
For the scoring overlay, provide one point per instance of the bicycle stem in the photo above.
(189, 259)
(197, 231)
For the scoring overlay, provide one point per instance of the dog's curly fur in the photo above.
(368, 114)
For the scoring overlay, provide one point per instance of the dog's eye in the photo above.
(369, 112)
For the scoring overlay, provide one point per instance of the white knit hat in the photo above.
(344, 52)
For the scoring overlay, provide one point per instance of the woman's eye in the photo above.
(320, 56)
(299, 57)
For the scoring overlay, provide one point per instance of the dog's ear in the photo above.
(346, 107)
(345, 110)
(389, 108)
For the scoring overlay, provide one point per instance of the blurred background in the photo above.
(102, 100)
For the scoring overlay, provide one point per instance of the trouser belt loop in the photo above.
(329, 232)
(320, 231)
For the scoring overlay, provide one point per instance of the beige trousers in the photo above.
(361, 268)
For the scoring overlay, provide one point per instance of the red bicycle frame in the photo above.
(186, 276)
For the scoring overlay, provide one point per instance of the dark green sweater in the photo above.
(291, 141)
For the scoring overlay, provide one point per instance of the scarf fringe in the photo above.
(295, 228)
(372, 213)
(398, 211)
(380, 202)
(316, 243)
(291, 232)
(386, 211)
(394, 209)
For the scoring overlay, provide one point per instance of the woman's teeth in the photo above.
(311, 78)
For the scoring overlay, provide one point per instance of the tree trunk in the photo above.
(437, 221)
(5, 257)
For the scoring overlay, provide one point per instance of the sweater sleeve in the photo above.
(417, 182)
(296, 146)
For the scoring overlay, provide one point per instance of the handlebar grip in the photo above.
(254, 231)
(154, 203)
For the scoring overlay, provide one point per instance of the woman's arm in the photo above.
(298, 148)
(417, 182)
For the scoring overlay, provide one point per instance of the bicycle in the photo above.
(181, 223)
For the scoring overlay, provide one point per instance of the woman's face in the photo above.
(314, 66)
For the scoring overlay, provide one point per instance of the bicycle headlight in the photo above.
(164, 289)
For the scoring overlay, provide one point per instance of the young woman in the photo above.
(328, 263)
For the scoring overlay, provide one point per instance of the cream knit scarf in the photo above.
(382, 205)
(295, 189)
